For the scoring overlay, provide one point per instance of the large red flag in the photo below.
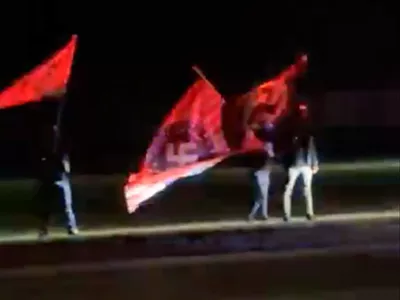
(48, 79)
(189, 141)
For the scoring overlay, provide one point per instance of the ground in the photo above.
(359, 275)
(220, 198)
(221, 194)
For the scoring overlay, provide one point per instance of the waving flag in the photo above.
(274, 94)
(48, 79)
(189, 141)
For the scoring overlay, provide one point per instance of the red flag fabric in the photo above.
(189, 141)
(273, 93)
(48, 79)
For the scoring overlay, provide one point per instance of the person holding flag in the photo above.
(267, 105)
(46, 81)
(264, 130)
(55, 179)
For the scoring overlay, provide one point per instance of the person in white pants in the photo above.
(306, 171)
(263, 130)
(302, 161)
(262, 177)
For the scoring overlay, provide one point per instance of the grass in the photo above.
(218, 194)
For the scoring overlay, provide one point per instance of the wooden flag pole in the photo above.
(201, 74)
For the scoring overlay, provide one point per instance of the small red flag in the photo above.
(48, 79)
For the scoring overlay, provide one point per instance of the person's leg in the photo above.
(65, 186)
(255, 208)
(293, 173)
(256, 196)
(262, 184)
(42, 201)
(307, 180)
(264, 181)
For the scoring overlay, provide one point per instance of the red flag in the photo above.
(275, 93)
(48, 79)
(189, 141)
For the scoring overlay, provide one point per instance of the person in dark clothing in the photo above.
(55, 182)
(301, 159)
(264, 131)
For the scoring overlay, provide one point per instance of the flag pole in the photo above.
(57, 126)
(61, 106)
(201, 74)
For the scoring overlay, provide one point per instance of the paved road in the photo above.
(343, 271)
(331, 274)
(365, 269)
(208, 239)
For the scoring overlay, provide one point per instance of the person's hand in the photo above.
(271, 153)
(269, 149)
(67, 166)
(315, 169)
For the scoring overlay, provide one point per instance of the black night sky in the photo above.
(133, 63)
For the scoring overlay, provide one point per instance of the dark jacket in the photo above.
(302, 152)
(266, 134)
(52, 168)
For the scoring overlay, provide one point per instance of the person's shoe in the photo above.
(286, 218)
(265, 218)
(251, 218)
(310, 217)
(73, 231)
(43, 235)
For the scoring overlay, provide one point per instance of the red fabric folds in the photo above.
(189, 141)
(48, 79)
(275, 93)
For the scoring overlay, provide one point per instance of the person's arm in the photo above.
(66, 164)
(269, 148)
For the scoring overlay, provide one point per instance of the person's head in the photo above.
(301, 111)
(302, 123)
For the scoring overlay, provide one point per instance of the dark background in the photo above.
(133, 62)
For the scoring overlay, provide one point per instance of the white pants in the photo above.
(294, 173)
(263, 180)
